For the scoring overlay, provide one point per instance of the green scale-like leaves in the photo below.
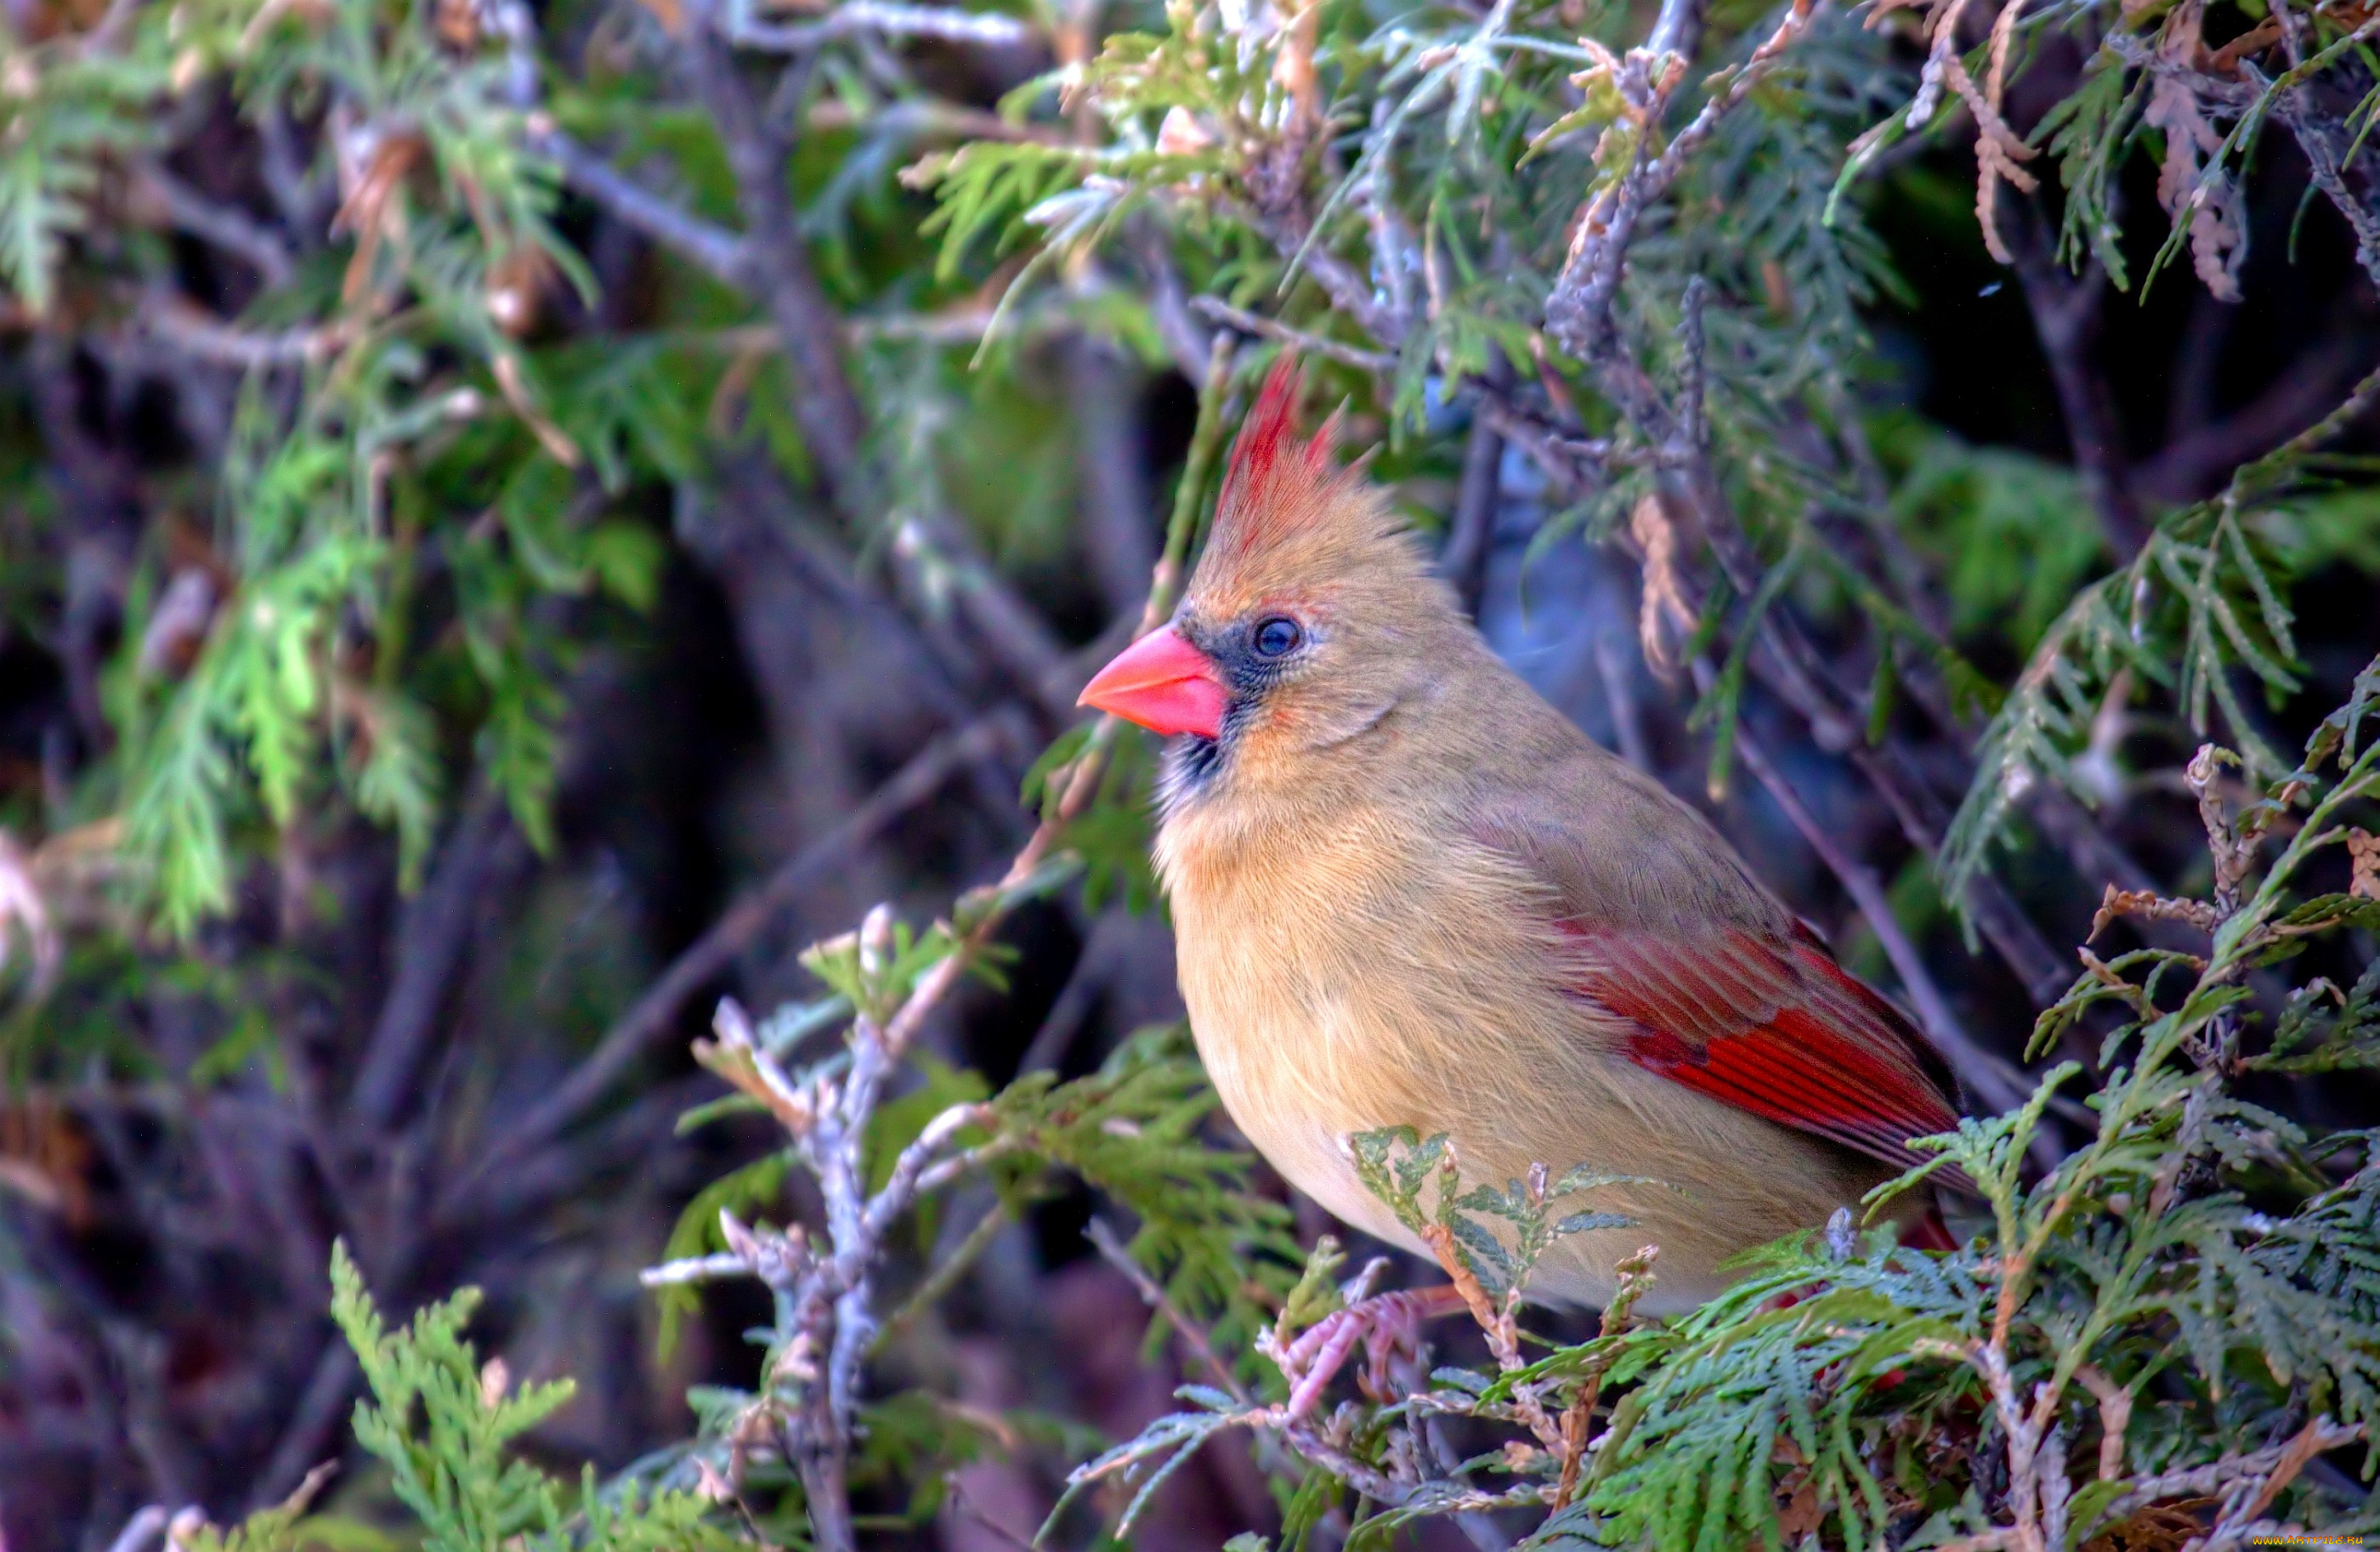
(445, 1425)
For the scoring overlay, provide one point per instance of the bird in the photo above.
(1408, 891)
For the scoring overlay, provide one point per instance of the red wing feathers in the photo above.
(1773, 1027)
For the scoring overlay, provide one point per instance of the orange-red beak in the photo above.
(1162, 683)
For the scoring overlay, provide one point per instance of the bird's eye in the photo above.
(1277, 636)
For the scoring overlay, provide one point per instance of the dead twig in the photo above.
(1111, 1250)
(654, 1013)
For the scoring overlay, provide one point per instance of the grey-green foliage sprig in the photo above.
(444, 1426)
(1388, 1446)
(2202, 603)
(1400, 1167)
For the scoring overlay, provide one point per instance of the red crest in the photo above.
(1271, 473)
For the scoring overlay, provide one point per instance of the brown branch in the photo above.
(227, 226)
(936, 559)
(1790, 665)
(2318, 1435)
(655, 1013)
(1111, 1250)
(718, 252)
(1117, 532)
(2292, 401)
(436, 933)
(313, 1423)
(1470, 537)
(2066, 319)
(834, 424)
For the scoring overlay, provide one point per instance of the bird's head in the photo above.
(1310, 618)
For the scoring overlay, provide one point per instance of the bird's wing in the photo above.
(1709, 981)
(1770, 1026)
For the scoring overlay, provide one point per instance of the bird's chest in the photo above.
(1332, 988)
(1297, 1060)
(1284, 1023)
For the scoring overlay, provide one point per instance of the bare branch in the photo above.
(186, 329)
(140, 1530)
(778, 270)
(436, 933)
(1218, 311)
(1470, 535)
(227, 226)
(654, 1013)
(854, 17)
(1117, 530)
(1111, 1250)
(696, 1269)
(2066, 321)
(721, 254)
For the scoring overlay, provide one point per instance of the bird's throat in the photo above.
(1191, 767)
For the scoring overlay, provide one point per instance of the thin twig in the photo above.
(985, 29)
(718, 252)
(227, 226)
(778, 272)
(188, 330)
(655, 1012)
(1216, 311)
(145, 1527)
(1470, 535)
(1104, 1240)
(946, 1275)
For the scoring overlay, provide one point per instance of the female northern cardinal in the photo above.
(1408, 891)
